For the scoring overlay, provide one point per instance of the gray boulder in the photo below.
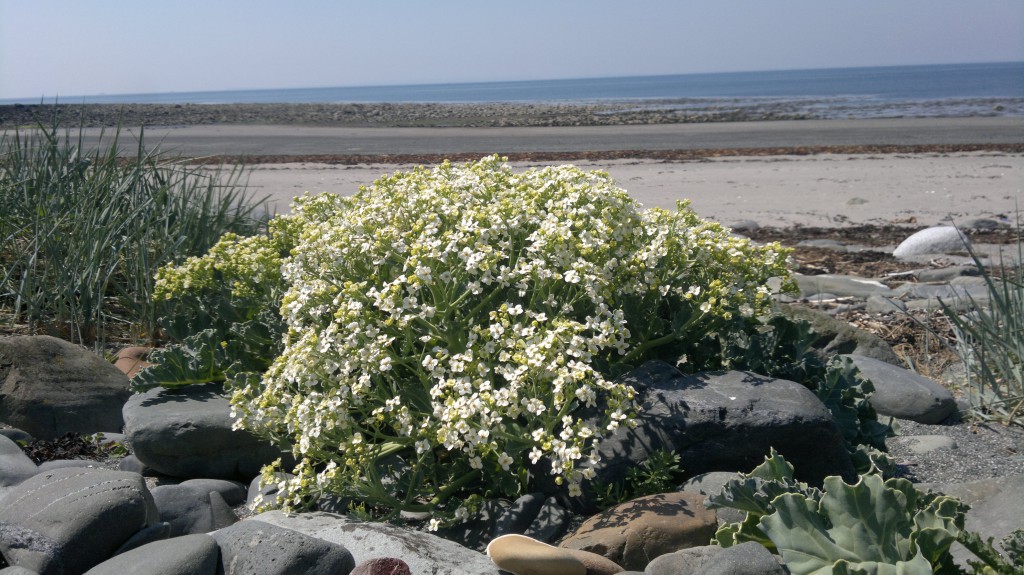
(192, 509)
(425, 553)
(233, 492)
(935, 240)
(188, 555)
(49, 387)
(997, 507)
(187, 433)
(15, 466)
(748, 558)
(837, 337)
(726, 421)
(258, 548)
(69, 520)
(904, 394)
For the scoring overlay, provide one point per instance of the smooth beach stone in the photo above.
(748, 558)
(192, 509)
(49, 387)
(188, 433)
(877, 304)
(132, 360)
(839, 285)
(233, 492)
(15, 466)
(62, 463)
(903, 394)
(947, 292)
(521, 555)
(947, 274)
(518, 517)
(635, 532)
(187, 555)
(17, 571)
(595, 564)
(934, 240)
(711, 483)
(15, 434)
(424, 552)
(253, 547)
(996, 507)
(69, 520)
(552, 520)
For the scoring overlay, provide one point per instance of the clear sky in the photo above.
(69, 48)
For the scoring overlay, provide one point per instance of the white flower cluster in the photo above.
(452, 326)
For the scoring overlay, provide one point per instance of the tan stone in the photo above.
(131, 360)
(634, 533)
(522, 555)
(596, 564)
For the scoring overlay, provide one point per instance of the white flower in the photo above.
(504, 460)
(535, 455)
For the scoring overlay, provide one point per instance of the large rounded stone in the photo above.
(835, 336)
(188, 555)
(49, 387)
(935, 240)
(635, 532)
(68, 520)
(258, 548)
(15, 466)
(904, 394)
(187, 433)
(748, 558)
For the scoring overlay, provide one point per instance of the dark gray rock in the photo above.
(148, 534)
(726, 421)
(518, 517)
(254, 547)
(191, 509)
(188, 555)
(837, 337)
(49, 387)
(744, 559)
(425, 553)
(69, 520)
(233, 492)
(904, 394)
(132, 463)
(551, 522)
(187, 433)
(267, 495)
(935, 240)
(15, 466)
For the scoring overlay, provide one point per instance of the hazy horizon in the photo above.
(67, 49)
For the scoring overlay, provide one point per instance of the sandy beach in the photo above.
(827, 190)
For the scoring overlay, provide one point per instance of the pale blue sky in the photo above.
(70, 48)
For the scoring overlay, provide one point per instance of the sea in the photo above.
(945, 90)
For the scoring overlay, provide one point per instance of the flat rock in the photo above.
(49, 387)
(69, 520)
(934, 240)
(904, 394)
(254, 547)
(840, 286)
(425, 553)
(748, 558)
(997, 507)
(188, 555)
(921, 444)
(633, 533)
(521, 555)
(187, 433)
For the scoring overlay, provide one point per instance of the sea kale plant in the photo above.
(449, 335)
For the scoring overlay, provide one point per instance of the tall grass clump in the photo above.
(990, 341)
(84, 230)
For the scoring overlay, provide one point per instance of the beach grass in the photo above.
(84, 230)
(990, 341)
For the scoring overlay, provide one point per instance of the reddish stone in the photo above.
(382, 566)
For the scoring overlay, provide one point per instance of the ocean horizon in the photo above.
(985, 89)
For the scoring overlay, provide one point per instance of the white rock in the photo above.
(937, 240)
